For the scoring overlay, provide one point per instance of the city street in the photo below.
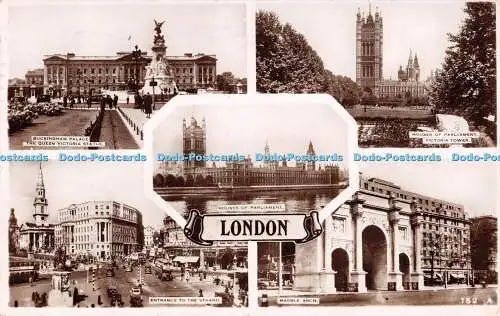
(123, 281)
(463, 296)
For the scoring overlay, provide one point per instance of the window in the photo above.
(339, 224)
(403, 232)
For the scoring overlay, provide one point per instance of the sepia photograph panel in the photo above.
(105, 244)
(402, 239)
(282, 156)
(99, 83)
(409, 75)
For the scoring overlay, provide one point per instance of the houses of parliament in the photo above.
(369, 63)
(244, 173)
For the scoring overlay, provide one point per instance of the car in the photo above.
(166, 275)
(111, 291)
(137, 291)
(128, 268)
(135, 301)
(147, 270)
(110, 273)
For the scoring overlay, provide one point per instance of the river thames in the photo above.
(295, 201)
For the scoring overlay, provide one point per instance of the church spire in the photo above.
(39, 181)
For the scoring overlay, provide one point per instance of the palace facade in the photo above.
(244, 173)
(370, 61)
(81, 74)
(103, 229)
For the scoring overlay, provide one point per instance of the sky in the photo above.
(330, 29)
(244, 129)
(471, 184)
(68, 183)
(103, 30)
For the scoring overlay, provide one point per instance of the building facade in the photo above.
(370, 61)
(102, 229)
(30, 86)
(63, 73)
(38, 236)
(381, 239)
(445, 226)
(148, 237)
(181, 250)
(244, 173)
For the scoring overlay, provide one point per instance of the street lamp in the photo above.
(136, 55)
(153, 84)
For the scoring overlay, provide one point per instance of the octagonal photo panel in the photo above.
(260, 154)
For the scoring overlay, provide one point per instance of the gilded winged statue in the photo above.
(158, 26)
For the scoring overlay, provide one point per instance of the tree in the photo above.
(170, 180)
(209, 180)
(285, 61)
(59, 258)
(158, 180)
(199, 181)
(180, 181)
(225, 81)
(483, 236)
(189, 181)
(466, 85)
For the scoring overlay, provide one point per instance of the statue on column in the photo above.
(158, 37)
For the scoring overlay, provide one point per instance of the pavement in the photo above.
(114, 132)
(437, 296)
(135, 119)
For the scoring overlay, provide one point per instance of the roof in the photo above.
(120, 55)
(35, 72)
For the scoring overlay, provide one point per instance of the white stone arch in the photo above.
(379, 276)
(382, 223)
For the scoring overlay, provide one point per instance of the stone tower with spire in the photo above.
(369, 50)
(40, 210)
(194, 142)
(311, 165)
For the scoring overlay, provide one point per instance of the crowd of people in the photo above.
(145, 103)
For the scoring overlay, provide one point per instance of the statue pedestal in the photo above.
(59, 299)
(59, 295)
(395, 281)
(417, 280)
(359, 280)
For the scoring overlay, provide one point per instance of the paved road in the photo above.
(123, 281)
(70, 123)
(465, 296)
(115, 133)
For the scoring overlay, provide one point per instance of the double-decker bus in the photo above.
(163, 270)
(20, 272)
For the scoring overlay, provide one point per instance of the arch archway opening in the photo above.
(404, 267)
(375, 258)
(340, 264)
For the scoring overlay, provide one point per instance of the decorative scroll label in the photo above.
(205, 229)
